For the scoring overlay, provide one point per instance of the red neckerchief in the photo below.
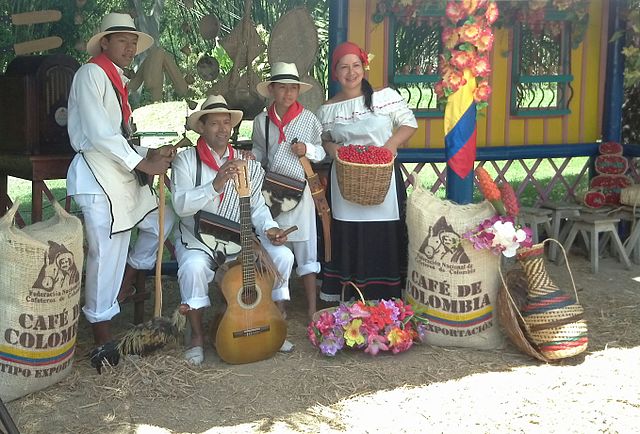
(205, 154)
(292, 112)
(110, 69)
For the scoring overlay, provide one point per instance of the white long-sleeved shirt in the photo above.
(95, 119)
(188, 199)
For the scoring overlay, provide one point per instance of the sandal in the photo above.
(105, 355)
(194, 355)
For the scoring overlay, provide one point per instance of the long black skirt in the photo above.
(372, 255)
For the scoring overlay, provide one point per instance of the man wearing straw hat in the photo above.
(108, 177)
(283, 134)
(202, 179)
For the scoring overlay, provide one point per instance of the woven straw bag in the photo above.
(553, 321)
(511, 297)
(364, 184)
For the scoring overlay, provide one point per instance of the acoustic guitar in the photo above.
(252, 327)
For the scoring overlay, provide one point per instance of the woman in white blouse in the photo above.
(369, 243)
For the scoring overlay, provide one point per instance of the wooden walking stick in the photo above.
(159, 331)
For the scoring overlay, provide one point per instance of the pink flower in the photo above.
(375, 344)
(482, 92)
(481, 67)
(485, 40)
(454, 12)
(461, 59)
(325, 323)
(492, 13)
(358, 310)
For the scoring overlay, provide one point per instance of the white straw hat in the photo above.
(213, 104)
(282, 72)
(117, 23)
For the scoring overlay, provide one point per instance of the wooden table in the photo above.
(37, 169)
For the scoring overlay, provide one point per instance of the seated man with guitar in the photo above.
(206, 178)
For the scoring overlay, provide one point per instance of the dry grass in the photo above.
(427, 389)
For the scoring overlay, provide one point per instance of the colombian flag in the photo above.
(460, 128)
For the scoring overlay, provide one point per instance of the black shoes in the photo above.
(104, 355)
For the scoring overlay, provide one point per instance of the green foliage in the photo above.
(632, 44)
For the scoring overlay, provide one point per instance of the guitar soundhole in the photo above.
(249, 297)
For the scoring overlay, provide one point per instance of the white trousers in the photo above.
(195, 273)
(107, 255)
(306, 254)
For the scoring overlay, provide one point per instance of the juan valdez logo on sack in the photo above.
(363, 154)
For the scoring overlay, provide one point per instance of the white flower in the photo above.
(507, 237)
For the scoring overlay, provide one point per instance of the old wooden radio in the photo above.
(33, 113)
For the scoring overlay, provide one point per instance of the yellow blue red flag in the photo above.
(460, 127)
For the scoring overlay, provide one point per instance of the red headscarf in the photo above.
(344, 49)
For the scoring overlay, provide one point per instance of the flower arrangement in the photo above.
(534, 14)
(500, 233)
(467, 40)
(362, 154)
(372, 326)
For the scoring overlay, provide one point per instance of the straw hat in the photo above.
(213, 104)
(282, 72)
(118, 23)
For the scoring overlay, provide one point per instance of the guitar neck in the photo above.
(247, 256)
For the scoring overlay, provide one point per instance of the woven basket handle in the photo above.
(566, 261)
(344, 286)
(504, 283)
(513, 303)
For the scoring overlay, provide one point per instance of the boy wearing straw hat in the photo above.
(281, 135)
(202, 179)
(106, 177)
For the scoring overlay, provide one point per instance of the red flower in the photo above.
(481, 67)
(439, 89)
(509, 199)
(492, 13)
(470, 6)
(454, 80)
(461, 59)
(470, 33)
(455, 12)
(450, 37)
(484, 43)
(482, 92)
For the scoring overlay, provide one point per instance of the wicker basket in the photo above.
(364, 184)
(554, 320)
(511, 297)
(316, 315)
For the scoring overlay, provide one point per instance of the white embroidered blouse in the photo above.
(350, 122)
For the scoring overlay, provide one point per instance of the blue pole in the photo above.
(338, 28)
(459, 190)
(614, 86)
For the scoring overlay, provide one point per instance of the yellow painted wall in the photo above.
(496, 126)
